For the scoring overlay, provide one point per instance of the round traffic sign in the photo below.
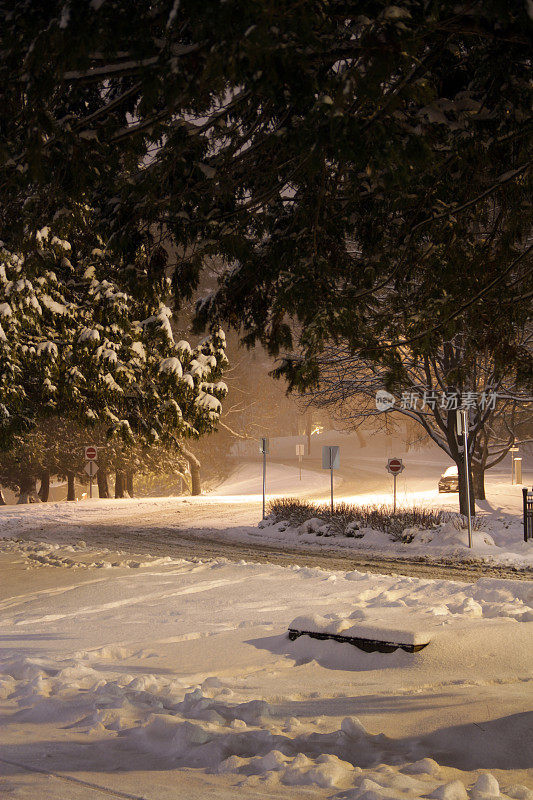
(90, 453)
(395, 465)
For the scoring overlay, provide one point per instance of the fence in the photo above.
(528, 514)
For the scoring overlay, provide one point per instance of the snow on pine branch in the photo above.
(116, 351)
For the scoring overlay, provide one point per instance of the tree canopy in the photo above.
(349, 162)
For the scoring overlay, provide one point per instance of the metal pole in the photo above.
(467, 474)
(331, 470)
(91, 486)
(524, 495)
(264, 481)
(394, 476)
(300, 463)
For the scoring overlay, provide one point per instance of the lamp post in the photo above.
(513, 450)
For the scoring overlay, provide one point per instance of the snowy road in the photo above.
(224, 524)
(203, 543)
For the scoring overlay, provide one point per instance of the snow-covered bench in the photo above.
(366, 636)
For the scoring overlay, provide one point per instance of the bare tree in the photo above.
(428, 390)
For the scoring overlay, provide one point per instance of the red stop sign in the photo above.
(90, 453)
(395, 465)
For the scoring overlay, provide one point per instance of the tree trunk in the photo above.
(360, 438)
(463, 504)
(103, 485)
(28, 490)
(71, 489)
(308, 430)
(478, 480)
(44, 491)
(194, 466)
(129, 482)
(120, 484)
(2, 498)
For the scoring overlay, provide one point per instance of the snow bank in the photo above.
(79, 556)
(205, 732)
(498, 540)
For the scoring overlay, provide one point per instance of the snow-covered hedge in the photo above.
(350, 520)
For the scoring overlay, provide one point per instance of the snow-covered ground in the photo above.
(233, 513)
(247, 481)
(161, 678)
(237, 499)
(128, 675)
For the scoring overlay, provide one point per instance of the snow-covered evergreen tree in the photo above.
(76, 344)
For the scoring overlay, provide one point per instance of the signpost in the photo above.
(462, 428)
(91, 469)
(91, 454)
(263, 448)
(331, 459)
(299, 452)
(395, 466)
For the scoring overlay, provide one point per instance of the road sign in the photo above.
(331, 457)
(91, 469)
(395, 466)
(91, 453)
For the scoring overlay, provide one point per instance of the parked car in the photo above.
(449, 480)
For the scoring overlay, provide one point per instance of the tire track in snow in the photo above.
(11, 602)
(86, 784)
(206, 544)
(206, 587)
(20, 599)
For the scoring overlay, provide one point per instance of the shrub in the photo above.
(379, 518)
(460, 521)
